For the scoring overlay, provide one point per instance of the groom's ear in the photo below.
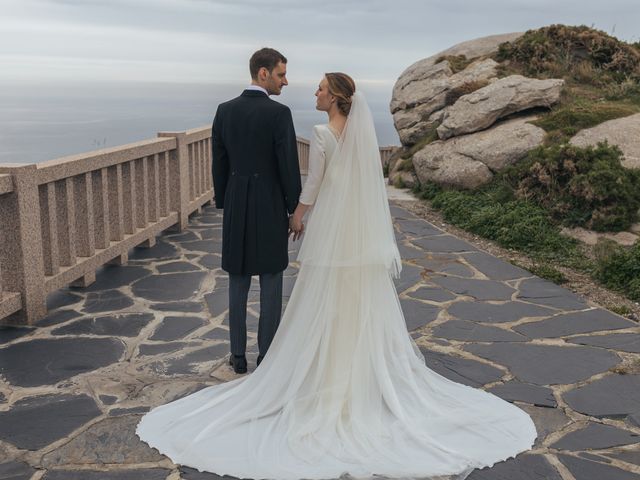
(263, 73)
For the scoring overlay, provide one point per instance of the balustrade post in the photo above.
(21, 244)
(179, 178)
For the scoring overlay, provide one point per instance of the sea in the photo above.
(43, 121)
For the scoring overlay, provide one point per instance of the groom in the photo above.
(256, 178)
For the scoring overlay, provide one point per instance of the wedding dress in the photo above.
(343, 388)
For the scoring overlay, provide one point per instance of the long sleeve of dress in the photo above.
(317, 161)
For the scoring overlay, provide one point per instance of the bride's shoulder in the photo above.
(320, 131)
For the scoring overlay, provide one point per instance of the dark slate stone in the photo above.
(47, 361)
(157, 348)
(187, 473)
(571, 323)
(214, 234)
(16, 471)
(492, 313)
(291, 270)
(547, 421)
(217, 301)
(8, 333)
(583, 469)
(116, 276)
(217, 334)
(252, 321)
(109, 300)
(633, 419)
(398, 212)
(418, 314)
(478, 289)
(186, 363)
(417, 228)
(177, 307)
(108, 399)
(186, 236)
(628, 456)
(445, 264)
(409, 276)
(543, 292)
(115, 412)
(596, 436)
(443, 243)
(523, 467)
(435, 294)
(161, 250)
(461, 370)
(123, 325)
(207, 219)
(174, 328)
(525, 392)
(57, 316)
(614, 396)
(3, 399)
(61, 298)
(494, 267)
(625, 342)
(410, 252)
(133, 474)
(595, 458)
(547, 364)
(287, 285)
(35, 422)
(177, 267)
(205, 246)
(472, 332)
(169, 286)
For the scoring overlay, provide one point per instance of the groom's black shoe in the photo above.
(239, 363)
(259, 359)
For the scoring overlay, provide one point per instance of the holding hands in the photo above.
(296, 227)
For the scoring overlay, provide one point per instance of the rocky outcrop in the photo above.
(461, 101)
(421, 70)
(623, 132)
(469, 161)
(399, 174)
(482, 108)
(419, 100)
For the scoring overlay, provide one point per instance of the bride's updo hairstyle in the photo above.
(342, 87)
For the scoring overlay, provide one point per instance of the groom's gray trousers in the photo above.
(270, 310)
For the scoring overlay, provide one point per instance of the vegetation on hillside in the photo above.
(525, 206)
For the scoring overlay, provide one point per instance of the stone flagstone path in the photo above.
(73, 387)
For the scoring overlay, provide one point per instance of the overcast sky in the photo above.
(209, 41)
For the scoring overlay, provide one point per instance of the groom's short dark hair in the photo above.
(267, 58)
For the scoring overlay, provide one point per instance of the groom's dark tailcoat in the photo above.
(256, 178)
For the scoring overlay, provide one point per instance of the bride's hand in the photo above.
(296, 226)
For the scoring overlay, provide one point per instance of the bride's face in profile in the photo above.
(324, 99)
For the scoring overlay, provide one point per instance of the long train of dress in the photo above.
(342, 389)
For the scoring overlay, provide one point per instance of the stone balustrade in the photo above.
(62, 219)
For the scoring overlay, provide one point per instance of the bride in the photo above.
(343, 388)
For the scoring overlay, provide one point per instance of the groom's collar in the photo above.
(256, 88)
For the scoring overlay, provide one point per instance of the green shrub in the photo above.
(457, 63)
(585, 187)
(517, 224)
(566, 119)
(546, 271)
(618, 267)
(574, 51)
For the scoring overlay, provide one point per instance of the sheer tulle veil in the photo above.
(350, 224)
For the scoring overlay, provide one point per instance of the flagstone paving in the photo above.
(74, 386)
